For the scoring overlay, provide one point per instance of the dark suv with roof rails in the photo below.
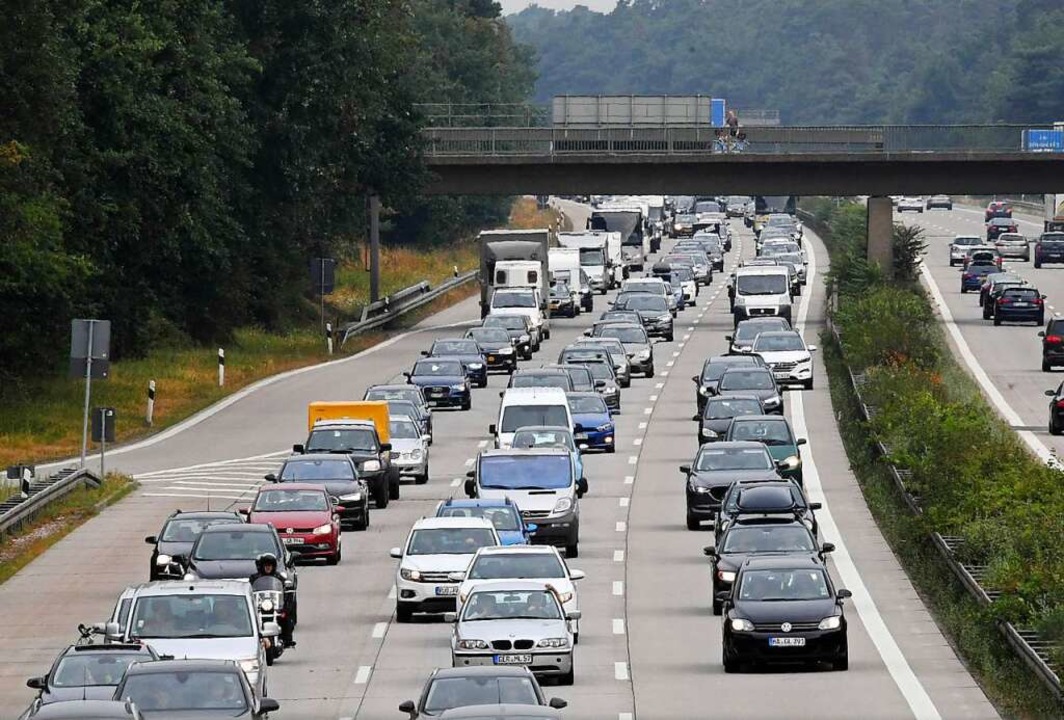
(1052, 344)
(765, 501)
(177, 537)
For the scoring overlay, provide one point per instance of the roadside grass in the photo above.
(58, 520)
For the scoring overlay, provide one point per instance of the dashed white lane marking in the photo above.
(692, 328)
(633, 459)
(621, 526)
(379, 629)
(618, 587)
(680, 345)
(362, 676)
(648, 411)
(629, 479)
(624, 502)
(659, 386)
(670, 363)
(625, 716)
(676, 353)
(456, 482)
(653, 398)
(469, 462)
(687, 336)
(620, 670)
(642, 426)
(664, 373)
(482, 444)
(637, 442)
(618, 626)
(618, 556)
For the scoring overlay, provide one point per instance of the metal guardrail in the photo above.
(18, 509)
(399, 303)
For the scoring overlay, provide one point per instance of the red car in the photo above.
(997, 209)
(303, 515)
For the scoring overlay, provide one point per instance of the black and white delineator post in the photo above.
(329, 336)
(150, 416)
(221, 367)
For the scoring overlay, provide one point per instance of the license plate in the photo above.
(513, 659)
(293, 540)
(580, 436)
(491, 358)
(1019, 304)
(787, 642)
(449, 590)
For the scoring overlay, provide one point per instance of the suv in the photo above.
(177, 537)
(999, 225)
(914, 204)
(1020, 304)
(1052, 344)
(360, 440)
(997, 209)
(1049, 249)
(944, 202)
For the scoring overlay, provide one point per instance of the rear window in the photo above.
(1021, 293)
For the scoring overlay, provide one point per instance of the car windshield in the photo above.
(768, 538)
(1011, 237)
(184, 690)
(642, 287)
(588, 405)
(438, 368)
(682, 274)
(1022, 294)
(508, 605)
(295, 470)
(490, 335)
(723, 408)
(404, 429)
(329, 439)
(714, 370)
(778, 343)
(967, 241)
(1056, 238)
(560, 290)
(746, 380)
(773, 585)
(761, 284)
(452, 692)
(519, 416)
(403, 407)
(646, 302)
(191, 616)
(525, 472)
(188, 529)
(599, 370)
(455, 347)
(234, 545)
(733, 459)
(622, 315)
(750, 330)
(632, 335)
(502, 517)
(544, 438)
(541, 380)
(685, 219)
(505, 298)
(510, 322)
(592, 257)
(770, 432)
(291, 501)
(93, 669)
(516, 566)
(581, 377)
(449, 541)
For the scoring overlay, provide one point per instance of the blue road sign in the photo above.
(1043, 140)
(716, 112)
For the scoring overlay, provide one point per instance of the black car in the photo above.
(1049, 248)
(414, 412)
(579, 375)
(497, 347)
(87, 672)
(338, 473)
(411, 393)
(1020, 304)
(997, 226)
(542, 377)
(626, 317)
(744, 540)
(1056, 410)
(742, 340)
(719, 411)
(178, 535)
(604, 378)
(372, 459)
(784, 610)
(757, 381)
(1052, 344)
(466, 350)
(562, 302)
(708, 380)
(715, 468)
(766, 501)
(204, 689)
(449, 688)
(444, 382)
(229, 552)
(518, 327)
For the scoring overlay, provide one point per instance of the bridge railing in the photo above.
(687, 140)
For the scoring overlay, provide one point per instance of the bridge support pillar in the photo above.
(881, 233)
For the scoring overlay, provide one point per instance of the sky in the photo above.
(509, 6)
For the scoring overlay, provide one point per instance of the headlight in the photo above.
(677, 226)
(459, 387)
(163, 560)
(703, 390)
(472, 645)
(371, 465)
(807, 358)
(266, 605)
(250, 666)
(609, 390)
(353, 497)
(323, 529)
(772, 401)
(563, 505)
(830, 623)
(698, 489)
(725, 576)
(793, 461)
(475, 366)
(415, 454)
(665, 318)
(742, 625)
(709, 433)
(643, 355)
(553, 643)
(409, 574)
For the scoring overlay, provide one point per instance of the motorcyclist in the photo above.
(266, 566)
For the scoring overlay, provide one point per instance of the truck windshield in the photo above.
(592, 257)
(503, 298)
(529, 472)
(761, 284)
(341, 439)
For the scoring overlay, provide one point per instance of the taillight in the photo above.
(1038, 301)
(1053, 339)
(1059, 404)
(1003, 301)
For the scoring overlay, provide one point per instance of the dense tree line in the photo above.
(817, 61)
(172, 165)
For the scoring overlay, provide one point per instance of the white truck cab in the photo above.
(762, 291)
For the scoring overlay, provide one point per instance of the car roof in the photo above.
(522, 549)
(511, 585)
(202, 514)
(514, 395)
(182, 665)
(477, 502)
(579, 395)
(760, 270)
(733, 396)
(104, 648)
(442, 523)
(783, 562)
(732, 445)
(544, 428)
(525, 452)
(238, 527)
(397, 386)
(542, 371)
(779, 333)
(361, 422)
(744, 359)
(762, 418)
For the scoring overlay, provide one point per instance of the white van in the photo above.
(762, 291)
(523, 301)
(530, 406)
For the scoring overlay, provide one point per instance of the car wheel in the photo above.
(572, 551)
(951, 262)
(568, 678)
(467, 404)
(986, 312)
(364, 522)
(393, 488)
(997, 320)
(423, 477)
(403, 614)
(842, 662)
(483, 383)
(1046, 366)
(963, 290)
(335, 558)
(611, 449)
(718, 606)
(693, 523)
(982, 300)
(650, 371)
(526, 356)
(271, 655)
(669, 337)
(808, 384)
(381, 495)
(1037, 264)
(1041, 320)
(731, 664)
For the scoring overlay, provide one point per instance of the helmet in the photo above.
(265, 559)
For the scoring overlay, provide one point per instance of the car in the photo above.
(503, 514)
(497, 347)
(467, 351)
(444, 382)
(787, 355)
(449, 688)
(784, 610)
(972, 276)
(651, 285)
(579, 375)
(594, 425)
(87, 710)
(525, 562)
(550, 436)
(683, 225)
(909, 203)
(410, 448)
(637, 344)
(338, 473)
(715, 468)
(993, 293)
(357, 440)
(759, 381)
(742, 339)
(435, 548)
(550, 377)
(409, 393)
(943, 202)
(982, 255)
(958, 248)
(304, 516)
(613, 349)
(995, 280)
(563, 301)
(1052, 344)
(86, 672)
(1020, 304)
(776, 434)
(708, 381)
(178, 535)
(1049, 248)
(764, 501)
(624, 317)
(718, 412)
(229, 552)
(518, 327)
(405, 408)
(515, 622)
(998, 225)
(1013, 245)
(654, 311)
(744, 540)
(605, 380)
(202, 688)
(997, 209)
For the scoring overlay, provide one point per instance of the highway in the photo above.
(649, 646)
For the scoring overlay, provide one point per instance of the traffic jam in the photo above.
(496, 562)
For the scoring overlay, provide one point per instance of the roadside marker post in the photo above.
(221, 367)
(329, 336)
(150, 416)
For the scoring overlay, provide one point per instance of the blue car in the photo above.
(503, 514)
(468, 351)
(444, 382)
(593, 421)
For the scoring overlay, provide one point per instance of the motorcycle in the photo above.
(269, 601)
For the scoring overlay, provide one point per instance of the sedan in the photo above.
(654, 311)
(518, 327)
(338, 474)
(913, 204)
(997, 209)
(497, 347)
(759, 499)
(468, 352)
(1020, 304)
(563, 301)
(958, 249)
(444, 382)
(204, 689)
(708, 381)
(943, 202)
(713, 471)
(999, 225)
(1056, 410)
(304, 517)
(613, 349)
(449, 688)
(411, 448)
(757, 381)
(86, 672)
(178, 535)
(636, 342)
(593, 422)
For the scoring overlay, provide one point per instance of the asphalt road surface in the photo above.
(649, 646)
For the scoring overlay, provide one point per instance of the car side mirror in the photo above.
(37, 683)
(572, 615)
(811, 348)
(396, 553)
(685, 469)
(801, 441)
(815, 506)
(407, 707)
(271, 629)
(424, 353)
(471, 473)
(471, 488)
(696, 417)
(1044, 297)
(386, 447)
(426, 438)
(493, 429)
(450, 617)
(151, 540)
(406, 374)
(1041, 333)
(113, 631)
(267, 705)
(709, 551)
(586, 333)
(695, 379)
(581, 487)
(270, 477)
(724, 596)
(729, 338)
(245, 511)
(531, 528)
(557, 703)
(827, 548)
(1050, 393)
(843, 593)
(575, 575)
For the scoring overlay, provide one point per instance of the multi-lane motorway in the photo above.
(649, 646)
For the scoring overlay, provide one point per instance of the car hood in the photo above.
(437, 563)
(786, 611)
(466, 358)
(222, 570)
(782, 452)
(194, 714)
(497, 347)
(590, 420)
(512, 537)
(532, 313)
(635, 348)
(713, 478)
(762, 394)
(777, 356)
(405, 445)
(297, 519)
(228, 648)
(511, 629)
(90, 692)
(718, 426)
(423, 380)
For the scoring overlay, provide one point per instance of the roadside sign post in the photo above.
(323, 280)
(90, 349)
(103, 432)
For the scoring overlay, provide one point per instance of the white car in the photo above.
(786, 353)
(1013, 245)
(526, 562)
(435, 548)
(412, 448)
(915, 204)
(958, 249)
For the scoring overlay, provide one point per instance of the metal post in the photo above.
(329, 336)
(149, 418)
(374, 247)
(88, 395)
(103, 441)
(221, 367)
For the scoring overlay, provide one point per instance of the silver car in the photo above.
(410, 448)
(514, 622)
(1013, 245)
(958, 249)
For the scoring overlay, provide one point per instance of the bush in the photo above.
(888, 326)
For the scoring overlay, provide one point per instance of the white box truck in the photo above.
(515, 259)
(600, 256)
